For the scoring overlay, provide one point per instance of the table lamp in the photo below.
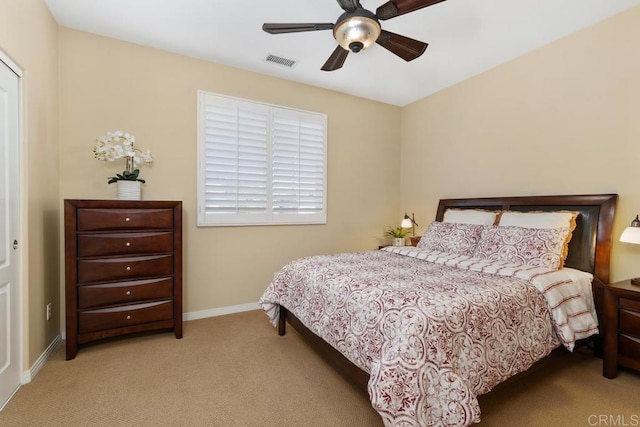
(631, 234)
(410, 222)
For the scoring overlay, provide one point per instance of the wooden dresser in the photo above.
(123, 268)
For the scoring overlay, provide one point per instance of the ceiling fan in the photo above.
(357, 29)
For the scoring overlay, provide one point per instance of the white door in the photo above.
(9, 211)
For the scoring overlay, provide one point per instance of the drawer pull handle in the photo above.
(128, 243)
(127, 219)
(128, 292)
(128, 268)
(128, 317)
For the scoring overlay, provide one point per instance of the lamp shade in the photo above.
(631, 235)
(406, 223)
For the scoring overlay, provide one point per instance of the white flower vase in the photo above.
(398, 241)
(128, 190)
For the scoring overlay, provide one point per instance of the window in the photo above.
(259, 164)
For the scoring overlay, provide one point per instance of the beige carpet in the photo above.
(236, 371)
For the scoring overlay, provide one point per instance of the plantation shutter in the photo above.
(259, 164)
(297, 164)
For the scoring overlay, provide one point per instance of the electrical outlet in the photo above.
(49, 311)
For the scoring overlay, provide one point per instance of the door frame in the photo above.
(19, 223)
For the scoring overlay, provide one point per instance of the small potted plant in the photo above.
(117, 145)
(398, 234)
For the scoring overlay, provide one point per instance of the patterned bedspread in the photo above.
(433, 330)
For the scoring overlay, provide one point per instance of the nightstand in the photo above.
(621, 327)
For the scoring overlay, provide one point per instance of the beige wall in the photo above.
(28, 35)
(563, 119)
(106, 85)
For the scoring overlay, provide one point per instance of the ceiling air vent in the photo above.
(281, 61)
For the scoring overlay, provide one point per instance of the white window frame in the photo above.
(269, 217)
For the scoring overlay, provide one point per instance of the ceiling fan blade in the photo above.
(394, 8)
(295, 28)
(349, 5)
(336, 59)
(406, 48)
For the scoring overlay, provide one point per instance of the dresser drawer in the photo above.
(123, 316)
(106, 269)
(124, 243)
(119, 219)
(124, 292)
(629, 322)
(629, 346)
(630, 304)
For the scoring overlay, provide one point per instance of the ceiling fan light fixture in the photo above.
(356, 33)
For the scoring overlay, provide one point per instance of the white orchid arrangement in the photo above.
(117, 145)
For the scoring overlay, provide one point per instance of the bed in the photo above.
(425, 331)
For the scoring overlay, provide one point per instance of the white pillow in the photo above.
(559, 219)
(470, 216)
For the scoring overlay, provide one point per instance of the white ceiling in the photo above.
(466, 37)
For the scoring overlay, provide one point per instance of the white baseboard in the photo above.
(30, 374)
(3, 404)
(201, 314)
